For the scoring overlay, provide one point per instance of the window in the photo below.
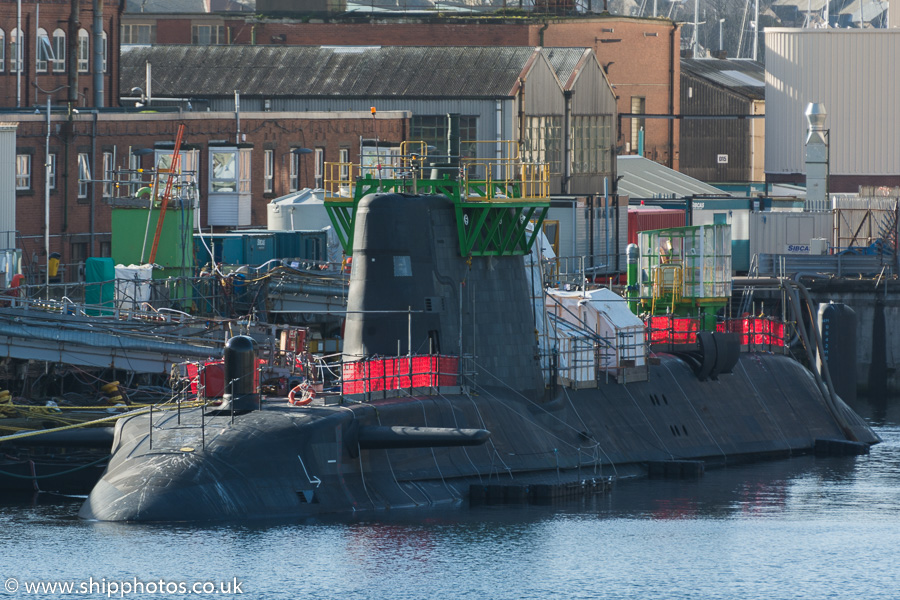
(344, 158)
(433, 130)
(320, 166)
(79, 256)
(187, 170)
(59, 51)
(84, 174)
(138, 34)
(23, 171)
(2, 50)
(245, 170)
(591, 144)
(44, 51)
(84, 51)
(269, 170)
(16, 50)
(206, 35)
(108, 175)
(134, 177)
(543, 142)
(223, 171)
(295, 172)
(638, 107)
(51, 160)
(104, 48)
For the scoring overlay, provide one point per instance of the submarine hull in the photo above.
(286, 462)
(505, 421)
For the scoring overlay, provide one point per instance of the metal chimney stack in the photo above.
(816, 158)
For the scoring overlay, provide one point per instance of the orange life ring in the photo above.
(306, 398)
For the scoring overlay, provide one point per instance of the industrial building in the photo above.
(554, 104)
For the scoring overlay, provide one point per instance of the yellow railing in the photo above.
(500, 177)
(667, 281)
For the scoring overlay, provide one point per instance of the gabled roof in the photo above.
(328, 71)
(644, 178)
(743, 76)
(564, 62)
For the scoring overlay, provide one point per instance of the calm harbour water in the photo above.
(799, 528)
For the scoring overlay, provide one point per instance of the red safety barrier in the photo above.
(669, 329)
(432, 370)
(756, 331)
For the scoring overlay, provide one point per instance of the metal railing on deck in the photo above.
(669, 332)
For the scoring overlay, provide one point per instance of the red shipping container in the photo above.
(646, 219)
(212, 377)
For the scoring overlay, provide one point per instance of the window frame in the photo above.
(59, 51)
(214, 35)
(2, 50)
(108, 174)
(17, 51)
(319, 162)
(51, 160)
(24, 172)
(84, 51)
(638, 106)
(45, 50)
(294, 172)
(131, 33)
(84, 174)
(344, 160)
(105, 49)
(268, 171)
(245, 170)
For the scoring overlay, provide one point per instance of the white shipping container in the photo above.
(788, 232)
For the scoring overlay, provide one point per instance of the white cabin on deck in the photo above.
(597, 336)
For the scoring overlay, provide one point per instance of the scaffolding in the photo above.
(494, 198)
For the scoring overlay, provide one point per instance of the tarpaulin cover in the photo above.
(100, 288)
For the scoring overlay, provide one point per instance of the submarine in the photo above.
(446, 387)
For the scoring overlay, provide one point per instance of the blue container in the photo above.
(313, 245)
(227, 248)
(259, 248)
(287, 244)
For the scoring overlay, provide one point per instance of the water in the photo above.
(799, 528)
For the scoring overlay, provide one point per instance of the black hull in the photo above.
(293, 462)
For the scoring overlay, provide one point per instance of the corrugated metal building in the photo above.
(500, 93)
(730, 148)
(855, 73)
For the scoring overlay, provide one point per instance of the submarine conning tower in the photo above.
(411, 291)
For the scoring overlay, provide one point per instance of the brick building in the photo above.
(64, 49)
(641, 56)
(89, 148)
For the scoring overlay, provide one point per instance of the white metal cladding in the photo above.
(7, 186)
(788, 232)
(856, 74)
(573, 215)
